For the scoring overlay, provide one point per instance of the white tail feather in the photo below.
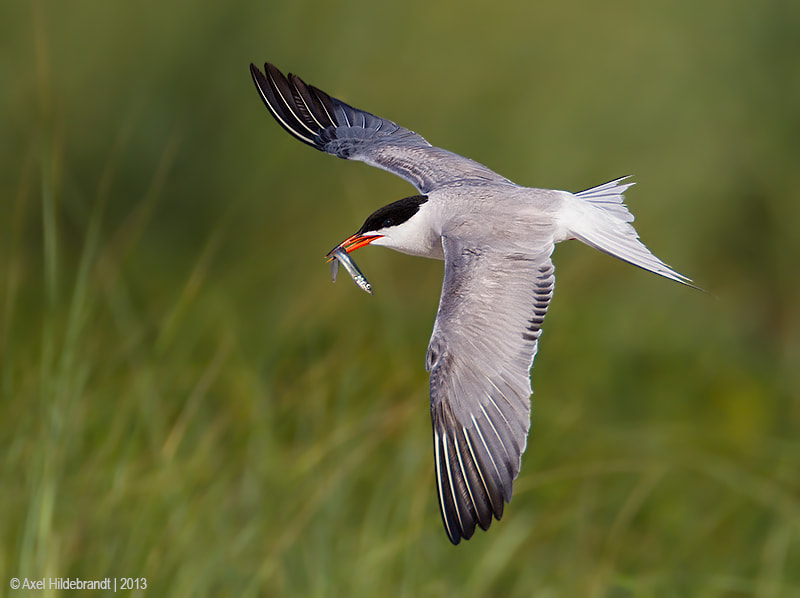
(599, 218)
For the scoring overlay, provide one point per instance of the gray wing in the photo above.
(330, 125)
(481, 351)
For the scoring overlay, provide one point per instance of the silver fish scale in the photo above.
(341, 256)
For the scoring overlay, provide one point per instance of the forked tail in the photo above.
(601, 220)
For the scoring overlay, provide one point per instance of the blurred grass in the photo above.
(186, 398)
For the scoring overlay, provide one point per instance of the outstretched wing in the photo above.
(332, 126)
(481, 351)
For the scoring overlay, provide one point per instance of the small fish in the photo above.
(340, 255)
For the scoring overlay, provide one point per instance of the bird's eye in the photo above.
(387, 223)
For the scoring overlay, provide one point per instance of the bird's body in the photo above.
(496, 239)
(492, 214)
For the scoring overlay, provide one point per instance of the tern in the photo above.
(496, 239)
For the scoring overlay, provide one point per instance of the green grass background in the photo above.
(185, 397)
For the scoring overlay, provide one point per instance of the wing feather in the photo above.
(332, 126)
(481, 351)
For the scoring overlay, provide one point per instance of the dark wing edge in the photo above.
(332, 126)
(304, 111)
(479, 440)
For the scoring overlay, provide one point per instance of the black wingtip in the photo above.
(285, 102)
(255, 73)
(260, 81)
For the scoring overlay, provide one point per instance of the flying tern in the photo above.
(496, 239)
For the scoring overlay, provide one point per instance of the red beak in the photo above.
(352, 243)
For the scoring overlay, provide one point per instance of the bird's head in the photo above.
(393, 226)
